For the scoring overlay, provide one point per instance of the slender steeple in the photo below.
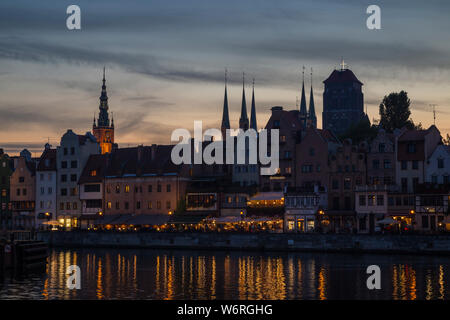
(225, 116)
(312, 119)
(243, 120)
(253, 124)
(303, 111)
(103, 118)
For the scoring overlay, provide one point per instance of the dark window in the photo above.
(63, 178)
(64, 164)
(117, 189)
(380, 200)
(425, 222)
(376, 164)
(64, 192)
(117, 205)
(73, 177)
(126, 205)
(92, 188)
(168, 188)
(440, 163)
(387, 164)
(348, 203)
(415, 164)
(335, 184)
(347, 183)
(21, 179)
(65, 151)
(92, 203)
(150, 188)
(404, 164)
(336, 203)
(158, 188)
(138, 205)
(411, 148)
(72, 150)
(404, 184)
(73, 164)
(362, 200)
(381, 148)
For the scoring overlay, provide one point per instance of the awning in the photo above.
(268, 196)
(387, 221)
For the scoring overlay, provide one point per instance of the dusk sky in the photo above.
(165, 62)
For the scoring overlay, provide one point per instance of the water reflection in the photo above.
(152, 274)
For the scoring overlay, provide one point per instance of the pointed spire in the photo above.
(112, 119)
(103, 118)
(243, 120)
(303, 112)
(312, 119)
(225, 115)
(253, 124)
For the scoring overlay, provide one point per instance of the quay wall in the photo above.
(354, 243)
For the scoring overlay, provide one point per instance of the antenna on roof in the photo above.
(343, 64)
(433, 105)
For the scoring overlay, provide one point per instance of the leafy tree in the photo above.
(394, 111)
(360, 131)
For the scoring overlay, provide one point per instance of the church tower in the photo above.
(312, 119)
(253, 124)
(225, 116)
(243, 120)
(103, 130)
(303, 113)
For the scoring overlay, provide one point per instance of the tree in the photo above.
(360, 131)
(394, 111)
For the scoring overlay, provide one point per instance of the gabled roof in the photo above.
(47, 162)
(96, 163)
(415, 135)
(342, 76)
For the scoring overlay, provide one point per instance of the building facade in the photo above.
(381, 161)
(23, 192)
(437, 168)
(6, 170)
(71, 157)
(46, 186)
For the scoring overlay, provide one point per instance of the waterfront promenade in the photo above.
(354, 243)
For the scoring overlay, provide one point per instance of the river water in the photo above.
(171, 274)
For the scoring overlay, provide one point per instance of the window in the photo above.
(158, 188)
(415, 164)
(68, 205)
(61, 206)
(390, 201)
(371, 200)
(404, 183)
(380, 200)
(127, 188)
(50, 190)
(63, 177)
(168, 187)
(92, 188)
(387, 164)
(21, 179)
(362, 200)
(158, 204)
(117, 205)
(65, 151)
(42, 190)
(3, 192)
(127, 205)
(93, 173)
(73, 164)
(312, 152)
(276, 124)
(117, 189)
(64, 192)
(434, 179)
(381, 148)
(24, 192)
(138, 205)
(150, 188)
(445, 181)
(347, 183)
(149, 205)
(404, 164)
(411, 148)
(335, 184)
(41, 176)
(64, 164)
(73, 177)
(73, 191)
(376, 164)
(425, 222)
(288, 170)
(109, 204)
(18, 192)
(440, 163)
(72, 150)
(282, 138)
(167, 204)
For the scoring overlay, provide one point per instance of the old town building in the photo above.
(6, 170)
(23, 191)
(437, 168)
(71, 156)
(46, 186)
(381, 159)
(414, 148)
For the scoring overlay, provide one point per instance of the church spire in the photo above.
(312, 119)
(225, 116)
(103, 118)
(253, 124)
(303, 112)
(243, 120)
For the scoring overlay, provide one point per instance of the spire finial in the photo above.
(343, 65)
(311, 76)
(303, 73)
(104, 79)
(226, 76)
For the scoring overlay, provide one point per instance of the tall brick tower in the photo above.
(103, 130)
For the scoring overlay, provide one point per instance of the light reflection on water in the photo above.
(157, 274)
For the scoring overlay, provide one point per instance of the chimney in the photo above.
(139, 152)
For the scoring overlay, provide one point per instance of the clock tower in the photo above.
(103, 130)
